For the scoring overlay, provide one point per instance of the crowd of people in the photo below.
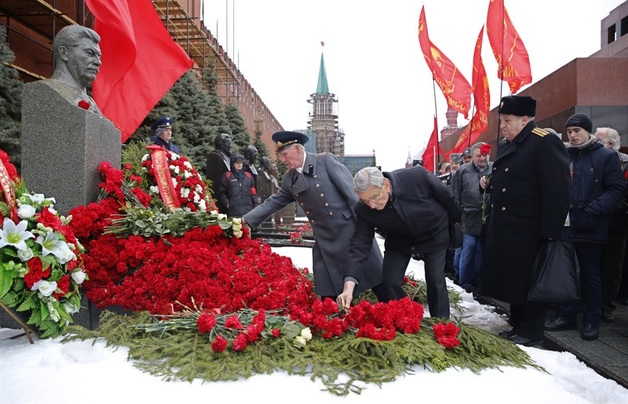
(536, 189)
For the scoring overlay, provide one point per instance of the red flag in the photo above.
(452, 83)
(140, 61)
(510, 52)
(431, 150)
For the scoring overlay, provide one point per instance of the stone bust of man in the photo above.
(250, 154)
(76, 56)
(218, 163)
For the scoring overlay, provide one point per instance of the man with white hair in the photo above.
(615, 247)
(413, 208)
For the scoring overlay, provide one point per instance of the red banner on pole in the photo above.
(450, 80)
(513, 63)
(431, 150)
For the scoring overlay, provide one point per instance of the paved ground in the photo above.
(608, 355)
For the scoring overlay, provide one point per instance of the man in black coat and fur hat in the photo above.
(529, 192)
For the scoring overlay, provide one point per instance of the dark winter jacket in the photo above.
(597, 186)
(466, 186)
(237, 191)
(424, 204)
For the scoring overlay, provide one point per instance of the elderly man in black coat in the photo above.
(413, 208)
(529, 190)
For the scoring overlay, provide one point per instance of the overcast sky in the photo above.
(386, 98)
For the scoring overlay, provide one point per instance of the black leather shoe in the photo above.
(507, 333)
(590, 332)
(519, 340)
(607, 316)
(560, 324)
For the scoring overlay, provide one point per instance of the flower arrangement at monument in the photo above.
(193, 291)
(41, 268)
(189, 187)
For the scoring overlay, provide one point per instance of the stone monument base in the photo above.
(62, 147)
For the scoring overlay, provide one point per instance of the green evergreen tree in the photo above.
(10, 104)
(193, 124)
(167, 106)
(239, 134)
(216, 111)
(262, 150)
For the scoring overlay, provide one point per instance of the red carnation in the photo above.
(485, 149)
(240, 342)
(219, 344)
(205, 323)
(49, 219)
(233, 322)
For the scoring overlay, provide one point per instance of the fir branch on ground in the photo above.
(344, 365)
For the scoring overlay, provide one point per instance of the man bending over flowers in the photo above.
(413, 208)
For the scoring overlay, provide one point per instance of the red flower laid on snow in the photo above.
(447, 334)
(205, 323)
(485, 149)
(233, 322)
(219, 344)
(84, 104)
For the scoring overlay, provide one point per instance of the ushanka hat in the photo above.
(519, 105)
(287, 138)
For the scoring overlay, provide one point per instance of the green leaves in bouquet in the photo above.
(144, 222)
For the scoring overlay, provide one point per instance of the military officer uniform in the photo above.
(324, 190)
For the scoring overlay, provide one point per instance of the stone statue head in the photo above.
(266, 163)
(76, 56)
(250, 153)
(274, 171)
(222, 142)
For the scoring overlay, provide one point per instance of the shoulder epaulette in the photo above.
(540, 132)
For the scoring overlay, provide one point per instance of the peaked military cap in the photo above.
(286, 138)
(519, 105)
(163, 122)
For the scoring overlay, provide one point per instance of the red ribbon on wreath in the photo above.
(8, 191)
(162, 177)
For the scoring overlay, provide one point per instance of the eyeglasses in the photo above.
(373, 198)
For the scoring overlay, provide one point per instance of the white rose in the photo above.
(299, 341)
(26, 211)
(44, 287)
(154, 189)
(187, 174)
(185, 192)
(71, 309)
(202, 205)
(78, 276)
(25, 255)
(187, 165)
(306, 333)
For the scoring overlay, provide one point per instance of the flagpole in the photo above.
(436, 116)
(501, 69)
